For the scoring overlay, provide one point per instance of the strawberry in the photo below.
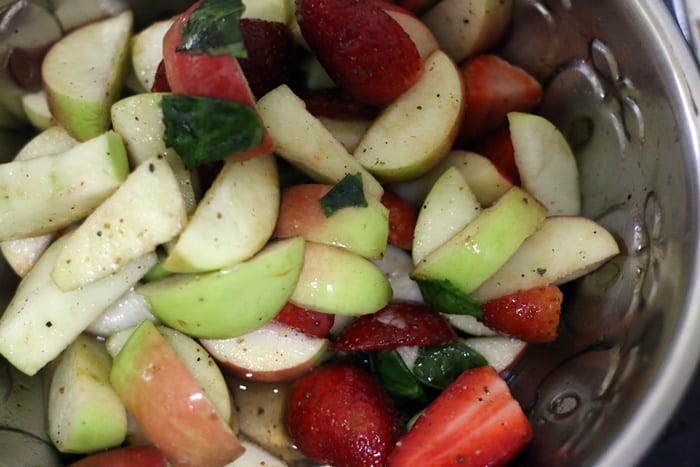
(402, 220)
(475, 421)
(131, 456)
(398, 324)
(333, 103)
(363, 49)
(498, 148)
(160, 81)
(340, 414)
(530, 315)
(310, 322)
(494, 87)
(270, 48)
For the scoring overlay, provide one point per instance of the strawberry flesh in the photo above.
(310, 322)
(498, 148)
(335, 104)
(402, 220)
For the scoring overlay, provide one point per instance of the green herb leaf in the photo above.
(203, 129)
(213, 29)
(395, 375)
(443, 296)
(346, 193)
(438, 366)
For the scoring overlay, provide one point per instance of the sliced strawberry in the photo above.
(498, 148)
(530, 315)
(402, 220)
(333, 103)
(474, 422)
(396, 325)
(494, 87)
(131, 456)
(363, 49)
(270, 59)
(310, 322)
(160, 81)
(340, 414)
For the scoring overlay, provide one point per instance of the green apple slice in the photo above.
(476, 252)
(169, 406)
(42, 320)
(36, 108)
(83, 73)
(412, 134)
(334, 280)
(145, 211)
(347, 132)
(546, 163)
(85, 414)
(563, 249)
(147, 52)
(234, 220)
(448, 208)
(301, 139)
(232, 301)
(43, 194)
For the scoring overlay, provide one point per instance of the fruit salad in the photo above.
(276, 232)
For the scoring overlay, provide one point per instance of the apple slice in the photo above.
(147, 52)
(269, 10)
(233, 221)
(301, 139)
(272, 353)
(476, 252)
(347, 132)
(126, 312)
(397, 267)
(465, 27)
(83, 73)
(417, 30)
(546, 163)
(85, 414)
(563, 249)
(146, 211)
(43, 194)
(448, 208)
(232, 301)
(337, 281)
(413, 133)
(36, 108)
(128, 456)
(500, 351)
(75, 13)
(469, 324)
(42, 320)
(169, 406)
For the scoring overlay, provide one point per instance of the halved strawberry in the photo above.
(333, 103)
(363, 49)
(475, 421)
(530, 315)
(396, 325)
(340, 414)
(160, 81)
(310, 322)
(494, 87)
(402, 219)
(498, 148)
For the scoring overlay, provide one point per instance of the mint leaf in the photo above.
(395, 375)
(443, 296)
(202, 129)
(438, 366)
(346, 193)
(213, 29)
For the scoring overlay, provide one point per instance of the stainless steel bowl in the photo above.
(623, 86)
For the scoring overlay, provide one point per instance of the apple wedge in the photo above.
(347, 132)
(301, 139)
(397, 265)
(417, 30)
(126, 312)
(42, 320)
(233, 221)
(469, 324)
(147, 52)
(500, 351)
(448, 208)
(85, 414)
(269, 10)
(563, 249)
(546, 163)
(83, 73)
(272, 353)
(232, 301)
(36, 108)
(337, 281)
(43, 194)
(413, 133)
(146, 211)
(169, 406)
(466, 27)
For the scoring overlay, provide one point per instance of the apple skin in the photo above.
(162, 395)
(130, 456)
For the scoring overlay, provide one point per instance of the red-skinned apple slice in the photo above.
(130, 456)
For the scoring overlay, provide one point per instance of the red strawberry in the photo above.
(270, 48)
(160, 81)
(363, 49)
(530, 315)
(398, 324)
(498, 148)
(402, 220)
(494, 87)
(340, 414)
(474, 422)
(310, 322)
(333, 103)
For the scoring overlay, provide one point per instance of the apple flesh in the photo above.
(127, 311)
(169, 406)
(397, 265)
(417, 30)
(36, 107)
(500, 352)
(469, 324)
(147, 52)
(347, 132)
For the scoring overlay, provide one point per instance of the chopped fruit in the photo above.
(498, 148)
(402, 220)
(474, 422)
(333, 103)
(131, 456)
(363, 49)
(160, 81)
(310, 322)
(396, 325)
(530, 315)
(341, 415)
